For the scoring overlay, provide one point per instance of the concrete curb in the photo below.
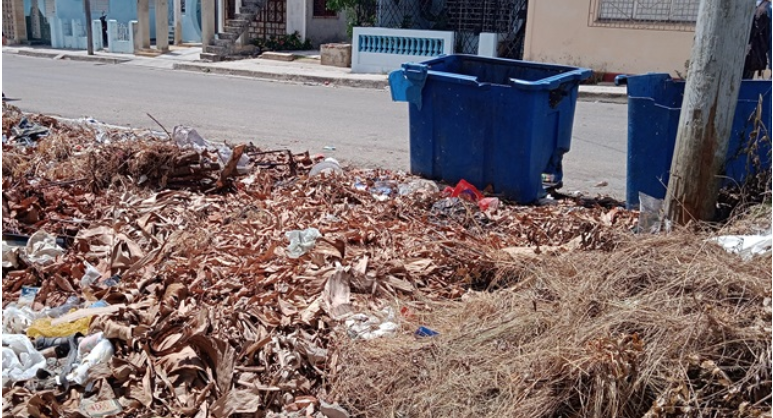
(584, 94)
(298, 78)
(66, 56)
(604, 96)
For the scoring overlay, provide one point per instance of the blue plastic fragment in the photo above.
(425, 332)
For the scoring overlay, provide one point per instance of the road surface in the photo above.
(365, 126)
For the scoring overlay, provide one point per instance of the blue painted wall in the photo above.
(125, 11)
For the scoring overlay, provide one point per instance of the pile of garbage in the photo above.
(148, 274)
(661, 326)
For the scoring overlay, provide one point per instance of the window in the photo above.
(645, 14)
(649, 10)
(321, 10)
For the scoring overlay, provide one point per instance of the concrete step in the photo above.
(223, 42)
(204, 56)
(217, 49)
(237, 23)
(247, 15)
(229, 35)
(235, 29)
(277, 56)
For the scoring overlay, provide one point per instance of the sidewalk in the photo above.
(301, 70)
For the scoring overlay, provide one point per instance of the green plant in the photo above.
(358, 12)
(290, 42)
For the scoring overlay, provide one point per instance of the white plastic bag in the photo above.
(301, 242)
(20, 359)
(90, 276)
(16, 320)
(101, 353)
(42, 248)
(747, 246)
(368, 327)
(188, 137)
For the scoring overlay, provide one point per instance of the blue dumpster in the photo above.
(654, 104)
(493, 122)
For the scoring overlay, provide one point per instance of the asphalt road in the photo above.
(365, 126)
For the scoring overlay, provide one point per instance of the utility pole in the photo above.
(89, 34)
(713, 80)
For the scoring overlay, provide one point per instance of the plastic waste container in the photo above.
(493, 122)
(654, 104)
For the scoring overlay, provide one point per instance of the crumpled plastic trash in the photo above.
(747, 246)
(101, 353)
(42, 248)
(489, 204)
(368, 327)
(42, 328)
(417, 185)
(11, 253)
(20, 359)
(27, 133)
(423, 331)
(328, 167)
(187, 137)
(27, 296)
(464, 190)
(651, 219)
(467, 191)
(382, 190)
(71, 303)
(90, 276)
(16, 320)
(301, 241)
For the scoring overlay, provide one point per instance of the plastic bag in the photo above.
(418, 185)
(42, 248)
(101, 353)
(747, 246)
(328, 167)
(42, 328)
(187, 137)
(16, 320)
(70, 304)
(464, 190)
(369, 327)
(650, 214)
(301, 242)
(90, 276)
(489, 204)
(382, 190)
(20, 359)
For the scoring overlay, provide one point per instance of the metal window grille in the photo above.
(321, 10)
(270, 21)
(677, 15)
(122, 32)
(8, 25)
(466, 18)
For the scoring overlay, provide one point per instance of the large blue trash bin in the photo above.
(654, 104)
(493, 122)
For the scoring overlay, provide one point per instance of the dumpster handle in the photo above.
(553, 82)
(407, 83)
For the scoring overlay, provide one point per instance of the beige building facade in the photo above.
(612, 36)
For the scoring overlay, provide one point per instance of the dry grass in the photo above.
(663, 326)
